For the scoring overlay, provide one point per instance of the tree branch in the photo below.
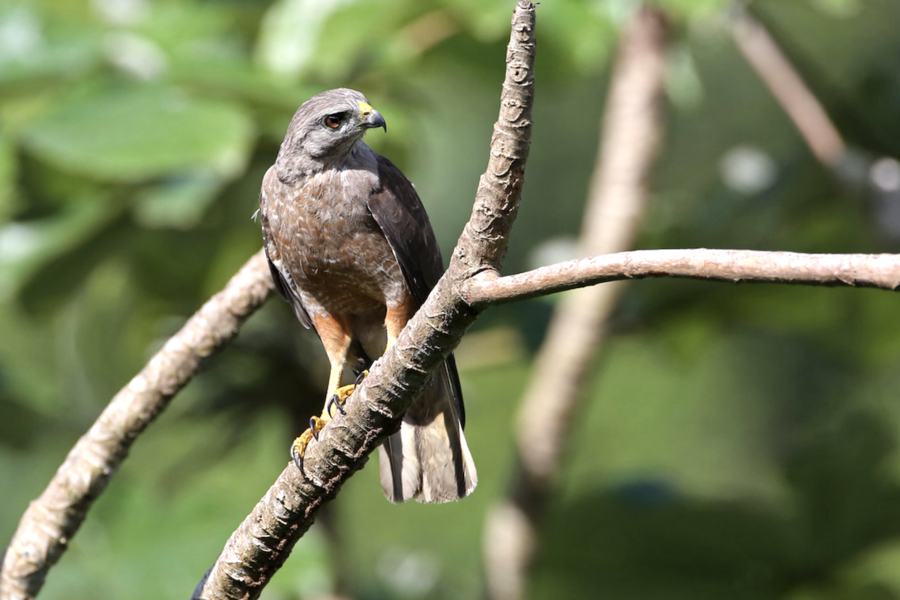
(736, 266)
(788, 88)
(630, 135)
(263, 541)
(50, 521)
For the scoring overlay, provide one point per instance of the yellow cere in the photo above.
(365, 109)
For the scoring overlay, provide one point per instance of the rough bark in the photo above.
(53, 518)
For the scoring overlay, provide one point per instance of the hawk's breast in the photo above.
(334, 251)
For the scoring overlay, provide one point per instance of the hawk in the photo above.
(352, 250)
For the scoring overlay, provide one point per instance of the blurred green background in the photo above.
(738, 442)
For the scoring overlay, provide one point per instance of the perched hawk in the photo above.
(351, 248)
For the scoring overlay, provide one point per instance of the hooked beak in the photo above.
(371, 118)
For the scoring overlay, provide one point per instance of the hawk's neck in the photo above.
(294, 170)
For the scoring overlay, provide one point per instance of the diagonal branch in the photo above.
(790, 91)
(53, 518)
(262, 543)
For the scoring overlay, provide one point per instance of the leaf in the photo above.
(178, 202)
(839, 8)
(141, 133)
(7, 176)
(25, 246)
(290, 33)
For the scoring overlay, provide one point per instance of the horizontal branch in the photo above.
(735, 266)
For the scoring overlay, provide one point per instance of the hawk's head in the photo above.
(330, 124)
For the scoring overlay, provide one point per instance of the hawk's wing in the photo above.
(402, 218)
(399, 213)
(282, 279)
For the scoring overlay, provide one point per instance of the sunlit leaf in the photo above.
(28, 55)
(290, 33)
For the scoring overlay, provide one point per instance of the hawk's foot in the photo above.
(316, 424)
(298, 448)
(340, 397)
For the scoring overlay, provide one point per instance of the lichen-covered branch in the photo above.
(53, 518)
(264, 539)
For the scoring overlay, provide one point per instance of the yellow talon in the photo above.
(298, 448)
(316, 424)
(339, 398)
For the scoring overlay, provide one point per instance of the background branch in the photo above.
(53, 518)
(631, 131)
(788, 88)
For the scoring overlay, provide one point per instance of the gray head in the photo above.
(329, 125)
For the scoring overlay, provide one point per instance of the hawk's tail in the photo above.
(428, 459)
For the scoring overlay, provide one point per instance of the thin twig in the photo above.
(630, 135)
(52, 519)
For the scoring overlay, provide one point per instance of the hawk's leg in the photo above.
(334, 330)
(396, 318)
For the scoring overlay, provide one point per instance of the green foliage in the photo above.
(147, 133)
(737, 442)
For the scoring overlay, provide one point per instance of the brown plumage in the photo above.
(351, 248)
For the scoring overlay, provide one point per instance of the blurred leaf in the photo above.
(29, 56)
(27, 378)
(236, 78)
(585, 33)
(178, 202)
(7, 176)
(135, 134)
(290, 32)
(692, 10)
(488, 20)
(25, 246)
(683, 84)
(838, 8)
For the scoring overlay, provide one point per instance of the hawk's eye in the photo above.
(333, 121)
